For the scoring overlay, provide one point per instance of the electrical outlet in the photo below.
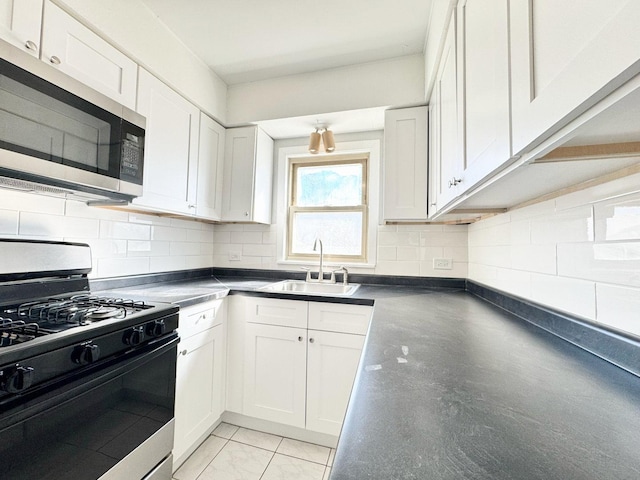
(442, 263)
(235, 256)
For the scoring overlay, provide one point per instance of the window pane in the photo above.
(329, 185)
(340, 232)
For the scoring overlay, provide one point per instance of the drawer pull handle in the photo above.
(311, 340)
(300, 339)
(31, 46)
(183, 352)
(55, 60)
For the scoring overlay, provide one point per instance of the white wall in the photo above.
(135, 30)
(121, 243)
(579, 253)
(395, 82)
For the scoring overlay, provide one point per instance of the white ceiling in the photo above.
(249, 40)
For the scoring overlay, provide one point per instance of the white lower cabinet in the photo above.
(199, 376)
(332, 364)
(275, 373)
(294, 374)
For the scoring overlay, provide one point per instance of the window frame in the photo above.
(323, 160)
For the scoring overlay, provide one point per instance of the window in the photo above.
(328, 200)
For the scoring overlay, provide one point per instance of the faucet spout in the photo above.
(315, 246)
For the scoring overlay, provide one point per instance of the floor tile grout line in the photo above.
(303, 459)
(273, 454)
(212, 458)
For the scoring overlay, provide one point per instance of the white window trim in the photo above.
(372, 147)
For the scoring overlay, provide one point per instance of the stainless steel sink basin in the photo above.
(309, 288)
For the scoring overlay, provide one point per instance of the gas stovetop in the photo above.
(29, 320)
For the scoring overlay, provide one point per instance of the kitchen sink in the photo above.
(311, 288)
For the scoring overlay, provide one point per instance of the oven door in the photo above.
(114, 422)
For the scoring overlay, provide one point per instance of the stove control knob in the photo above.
(134, 336)
(15, 379)
(85, 354)
(156, 328)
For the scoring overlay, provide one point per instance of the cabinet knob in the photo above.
(55, 60)
(183, 352)
(434, 204)
(246, 214)
(191, 205)
(31, 46)
(300, 339)
(311, 340)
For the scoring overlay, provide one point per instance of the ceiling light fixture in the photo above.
(327, 140)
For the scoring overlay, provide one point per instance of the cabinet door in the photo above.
(248, 174)
(210, 164)
(484, 49)
(239, 174)
(275, 373)
(332, 363)
(74, 49)
(565, 56)
(20, 22)
(449, 134)
(171, 147)
(405, 164)
(198, 384)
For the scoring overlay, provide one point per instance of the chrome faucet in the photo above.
(315, 246)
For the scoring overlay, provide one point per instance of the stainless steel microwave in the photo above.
(57, 134)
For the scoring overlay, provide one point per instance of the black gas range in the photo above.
(86, 381)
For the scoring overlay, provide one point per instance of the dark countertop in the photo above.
(452, 387)
(482, 395)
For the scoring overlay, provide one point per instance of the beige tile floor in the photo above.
(236, 453)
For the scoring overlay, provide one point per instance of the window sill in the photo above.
(326, 265)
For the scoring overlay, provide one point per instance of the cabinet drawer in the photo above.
(271, 311)
(199, 318)
(338, 317)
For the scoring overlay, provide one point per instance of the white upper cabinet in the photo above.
(20, 23)
(448, 155)
(565, 56)
(171, 147)
(483, 50)
(405, 164)
(74, 49)
(248, 174)
(210, 165)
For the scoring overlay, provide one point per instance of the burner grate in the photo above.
(13, 332)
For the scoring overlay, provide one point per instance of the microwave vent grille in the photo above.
(25, 186)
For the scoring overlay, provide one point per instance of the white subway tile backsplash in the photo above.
(617, 263)
(534, 258)
(246, 237)
(167, 263)
(573, 296)
(221, 237)
(429, 253)
(27, 202)
(168, 234)
(571, 225)
(618, 218)
(116, 267)
(122, 243)
(147, 248)
(398, 268)
(458, 254)
(125, 231)
(456, 238)
(408, 253)
(618, 307)
(387, 253)
(252, 250)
